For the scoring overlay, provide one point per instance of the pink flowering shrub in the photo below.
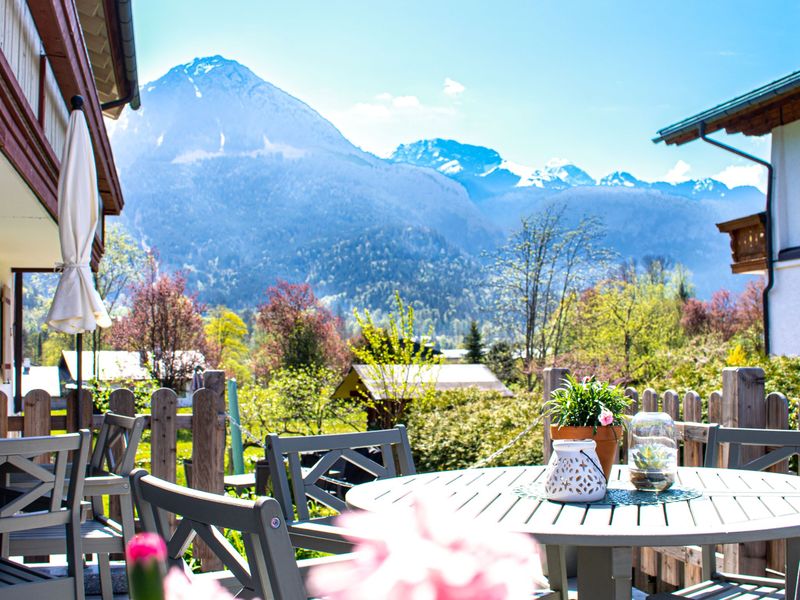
(606, 417)
(426, 553)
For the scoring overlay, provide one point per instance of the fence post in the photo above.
(552, 378)
(672, 571)
(79, 413)
(208, 449)
(744, 405)
(237, 450)
(163, 433)
(122, 402)
(649, 558)
(3, 415)
(36, 416)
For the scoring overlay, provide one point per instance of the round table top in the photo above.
(735, 506)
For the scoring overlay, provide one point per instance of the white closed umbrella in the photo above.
(77, 307)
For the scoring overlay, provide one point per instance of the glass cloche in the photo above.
(653, 451)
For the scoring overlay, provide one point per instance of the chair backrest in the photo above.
(779, 444)
(116, 445)
(270, 570)
(40, 503)
(394, 454)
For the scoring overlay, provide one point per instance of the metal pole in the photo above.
(237, 450)
(79, 349)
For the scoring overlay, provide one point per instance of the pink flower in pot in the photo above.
(606, 417)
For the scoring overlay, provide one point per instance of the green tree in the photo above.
(473, 343)
(225, 338)
(500, 359)
(535, 278)
(400, 366)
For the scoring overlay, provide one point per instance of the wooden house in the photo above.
(767, 242)
(50, 51)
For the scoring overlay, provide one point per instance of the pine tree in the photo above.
(473, 343)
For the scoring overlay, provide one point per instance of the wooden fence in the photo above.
(742, 402)
(207, 422)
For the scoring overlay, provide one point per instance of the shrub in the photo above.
(461, 427)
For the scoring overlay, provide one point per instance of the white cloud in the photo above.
(678, 173)
(453, 87)
(380, 124)
(736, 175)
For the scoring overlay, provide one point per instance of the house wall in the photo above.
(784, 297)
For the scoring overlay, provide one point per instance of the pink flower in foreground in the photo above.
(426, 553)
(178, 587)
(145, 547)
(606, 417)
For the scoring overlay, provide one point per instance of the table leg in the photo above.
(604, 573)
(792, 562)
(557, 570)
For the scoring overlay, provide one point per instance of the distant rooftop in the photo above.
(755, 113)
(366, 379)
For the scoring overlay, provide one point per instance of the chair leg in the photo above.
(106, 582)
(75, 556)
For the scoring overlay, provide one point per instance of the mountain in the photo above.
(672, 220)
(238, 183)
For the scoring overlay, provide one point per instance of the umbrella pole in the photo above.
(79, 348)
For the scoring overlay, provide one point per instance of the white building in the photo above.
(767, 242)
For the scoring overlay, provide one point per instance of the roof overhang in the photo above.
(756, 113)
(107, 27)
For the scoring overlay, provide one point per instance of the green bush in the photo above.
(460, 428)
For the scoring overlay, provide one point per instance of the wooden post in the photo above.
(122, 402)
(552, 379)
(3, 415)
(163, 434)
(693, 456)
(36, 417)
(777, 418)
(79, 414)
(208, 449)
(648, 559)
(262, 477)
(744, 405)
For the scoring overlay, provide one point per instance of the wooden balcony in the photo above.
(748, 243)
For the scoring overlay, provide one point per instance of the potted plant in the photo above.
(589, 409)
(651, 467)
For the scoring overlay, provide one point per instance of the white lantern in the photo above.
(574, 473)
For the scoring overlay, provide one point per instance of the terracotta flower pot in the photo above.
(607, 439)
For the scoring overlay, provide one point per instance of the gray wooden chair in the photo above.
(42, 506)
(391, 458)
(106, 475)
(270, 569)
(779, 445)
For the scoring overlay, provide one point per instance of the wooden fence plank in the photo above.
(552, 379)
(208, 455)
(693, 456)
(122, 402)
(163, 436)
(36, 416)
(671, 568)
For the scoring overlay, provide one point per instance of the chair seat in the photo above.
(738, 586)
(19, 582)
(96, 535)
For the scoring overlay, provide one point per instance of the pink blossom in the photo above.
(178, 587)
(426, 553)
(606, 417)
(145, 547)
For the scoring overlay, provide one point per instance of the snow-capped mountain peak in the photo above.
(619, 178)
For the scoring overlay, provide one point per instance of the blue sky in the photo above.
(587, 81)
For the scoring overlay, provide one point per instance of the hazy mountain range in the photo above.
(238, 183)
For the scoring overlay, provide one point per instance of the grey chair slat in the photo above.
(386, 454)
(299, 485)
(317, 493)
(16, 581)
(270, 570)
(322, 466)
(181, 539)
(370, 466)
(223, 549)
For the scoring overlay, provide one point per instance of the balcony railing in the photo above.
(748, 243)
(23, 50)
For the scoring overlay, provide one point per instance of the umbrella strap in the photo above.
(60, 267)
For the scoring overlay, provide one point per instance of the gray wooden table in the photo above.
(735, 506)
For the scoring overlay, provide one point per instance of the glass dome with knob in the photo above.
(653, 451)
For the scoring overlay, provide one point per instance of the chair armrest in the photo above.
(106, 485)
(307, 564)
